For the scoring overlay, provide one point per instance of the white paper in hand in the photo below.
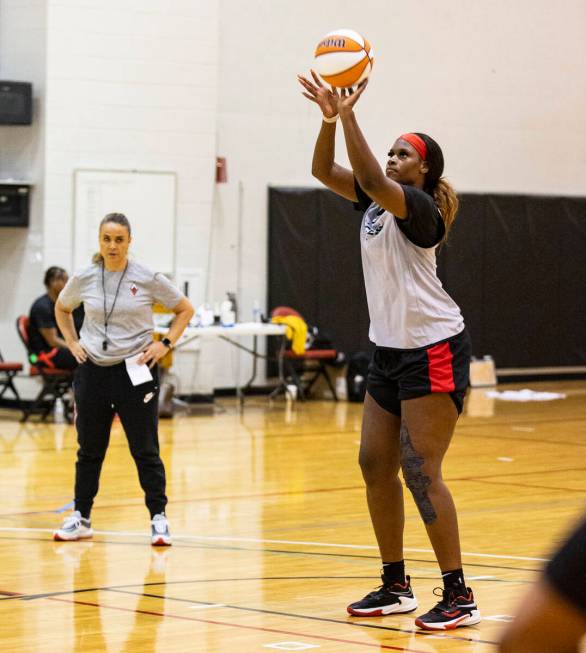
(138, 373)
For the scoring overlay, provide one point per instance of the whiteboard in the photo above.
(147, 199)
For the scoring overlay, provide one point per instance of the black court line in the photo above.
(222, 547)
(215, 622)
(517, 474)
(346, 622)
(311, 491)
(522, 422)
(11, 596)
(529, 486)
(186, 443)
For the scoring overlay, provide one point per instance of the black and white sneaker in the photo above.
(453, 611)
(389, 598)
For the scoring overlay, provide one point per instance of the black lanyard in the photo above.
(106, 314)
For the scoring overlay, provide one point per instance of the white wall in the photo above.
(159, 85)
(498, 84)
(128, 89)
(133, 85)
(22, 58)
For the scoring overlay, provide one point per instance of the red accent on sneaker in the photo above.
(439, 626)
(451, 615)
(455, 624)
(359, 613)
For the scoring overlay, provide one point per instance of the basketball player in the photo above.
(419, 372)
(552, 615)
(118, 296)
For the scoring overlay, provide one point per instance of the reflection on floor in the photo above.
(271, 533)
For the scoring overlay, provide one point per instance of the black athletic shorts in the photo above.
(397, 374)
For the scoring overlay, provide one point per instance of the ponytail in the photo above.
(447, 202)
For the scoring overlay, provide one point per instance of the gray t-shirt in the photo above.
(130, 326)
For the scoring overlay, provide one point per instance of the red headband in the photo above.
(417, 142)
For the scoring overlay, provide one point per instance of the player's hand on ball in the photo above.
(325, 98)
(348, 97)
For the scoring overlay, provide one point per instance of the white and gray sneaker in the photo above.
(160, 535)
(74, 527)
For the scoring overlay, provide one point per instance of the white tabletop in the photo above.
(240, 329)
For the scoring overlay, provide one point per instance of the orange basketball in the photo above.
(343, 58)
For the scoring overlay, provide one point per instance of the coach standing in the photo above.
(117, 371)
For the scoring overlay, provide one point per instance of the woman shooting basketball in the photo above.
(419, 372)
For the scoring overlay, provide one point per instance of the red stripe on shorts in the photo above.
(441, 374)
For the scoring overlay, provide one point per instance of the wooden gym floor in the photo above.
(271, 532)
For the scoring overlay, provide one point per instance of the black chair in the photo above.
(8, 370)
(56, 382)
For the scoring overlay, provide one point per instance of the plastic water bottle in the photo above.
(256, 312)
(227, 315)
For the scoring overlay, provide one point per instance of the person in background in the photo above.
(552, 615)
(117, 372)
(45, 339)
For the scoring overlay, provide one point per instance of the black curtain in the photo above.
(314, 263)
(515, 264)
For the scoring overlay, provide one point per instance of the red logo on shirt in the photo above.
(133, 289)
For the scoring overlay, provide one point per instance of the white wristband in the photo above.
(330, 120)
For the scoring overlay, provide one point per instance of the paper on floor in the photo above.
(525, 395)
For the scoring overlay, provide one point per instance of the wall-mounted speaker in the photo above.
(16, 103)
(14, 205)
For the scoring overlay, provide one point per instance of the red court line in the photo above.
(242, 626)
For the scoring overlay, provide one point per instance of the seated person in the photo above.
(45, 339)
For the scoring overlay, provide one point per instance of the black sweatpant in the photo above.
(100, 393)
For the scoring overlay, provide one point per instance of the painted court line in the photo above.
(242, 626)
(209, 538)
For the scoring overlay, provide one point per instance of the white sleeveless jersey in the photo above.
(408, 306)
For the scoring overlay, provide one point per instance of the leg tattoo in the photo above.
(416, 480)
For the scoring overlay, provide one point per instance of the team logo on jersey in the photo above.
(133, 289)
(373, 220)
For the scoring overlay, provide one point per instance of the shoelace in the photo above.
(385, 587)
(448, 599)
(160, 524)
(73, 521)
